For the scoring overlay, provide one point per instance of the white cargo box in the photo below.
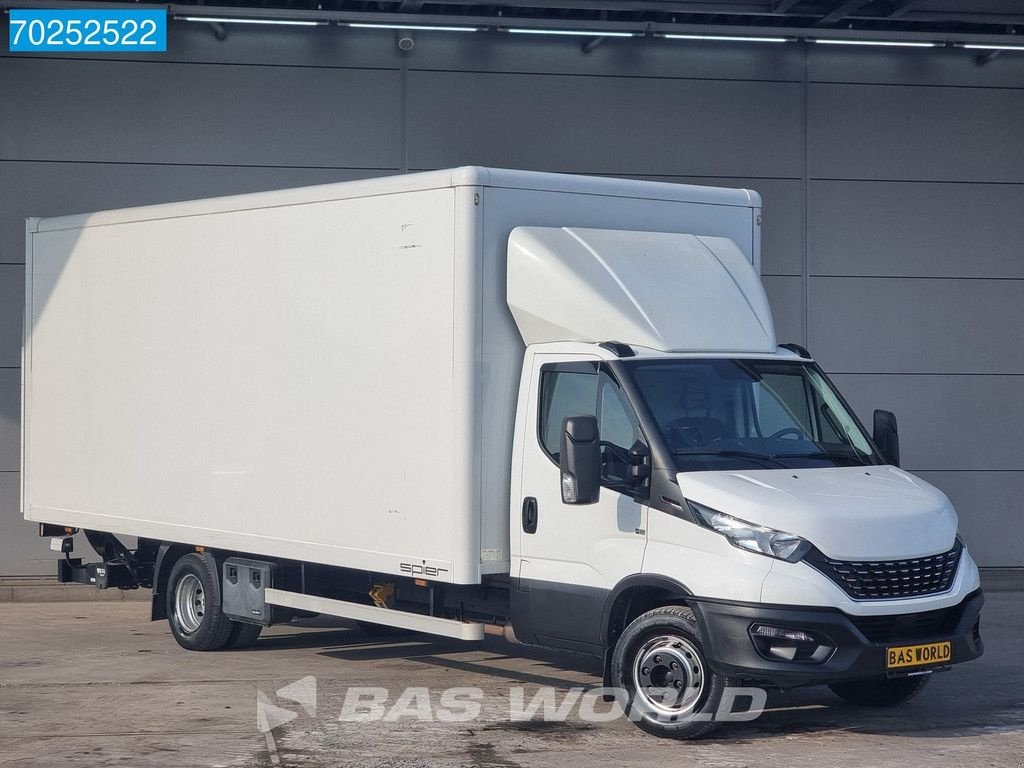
(327, 374)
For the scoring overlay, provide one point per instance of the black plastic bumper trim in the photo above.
(731, 652)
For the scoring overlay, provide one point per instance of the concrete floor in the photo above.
(85, 684)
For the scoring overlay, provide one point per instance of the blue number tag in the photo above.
(87, 29)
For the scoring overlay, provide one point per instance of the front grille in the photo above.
(889, 579)
(909, 626)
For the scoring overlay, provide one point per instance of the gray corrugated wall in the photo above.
(893, 184)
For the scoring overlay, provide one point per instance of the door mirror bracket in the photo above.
(639, 462)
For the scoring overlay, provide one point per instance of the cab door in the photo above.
(571, 556)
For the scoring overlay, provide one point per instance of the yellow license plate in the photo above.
(918, 655)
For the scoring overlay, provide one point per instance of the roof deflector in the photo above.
(665, 291)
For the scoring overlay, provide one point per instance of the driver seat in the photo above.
(697, 427)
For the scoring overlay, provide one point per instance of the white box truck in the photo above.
(473, 401)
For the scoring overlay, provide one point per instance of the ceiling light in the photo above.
(577, 32)
(414, 27)
(885, 43)
(728, 38)
(992, 47)
(232, 20)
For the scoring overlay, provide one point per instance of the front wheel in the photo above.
(660, 663)
(193, 608)
(881, 692)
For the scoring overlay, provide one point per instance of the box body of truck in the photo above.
(327, 375)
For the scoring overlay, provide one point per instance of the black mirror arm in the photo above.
(639, 462)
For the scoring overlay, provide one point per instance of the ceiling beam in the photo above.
(765, 10)
(840, 12)
(899, 7)
(711, 7)
(742, 8)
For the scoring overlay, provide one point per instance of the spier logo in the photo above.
(417, 569)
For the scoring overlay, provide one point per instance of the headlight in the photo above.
(753, 538)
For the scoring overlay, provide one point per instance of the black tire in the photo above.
(881, 692)
(243, 634)
(200, 625)
(382, 630)
(673, 631)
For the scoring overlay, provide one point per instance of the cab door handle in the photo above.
(529, 515)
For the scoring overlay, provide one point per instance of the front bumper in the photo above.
(860, 641)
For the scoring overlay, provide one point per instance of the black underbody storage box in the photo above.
(243, 590)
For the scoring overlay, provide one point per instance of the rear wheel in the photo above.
(881, 692)
(193, 605)
(671, 690)
(243, 634)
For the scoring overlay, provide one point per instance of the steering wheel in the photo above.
(620, 453)
(797, 433)
(685, 437)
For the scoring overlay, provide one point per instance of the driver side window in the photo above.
(566, 389)
(579, 389)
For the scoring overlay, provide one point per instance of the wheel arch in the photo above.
(167, 555)
(635, 595)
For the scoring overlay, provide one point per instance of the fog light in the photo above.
(783, 643)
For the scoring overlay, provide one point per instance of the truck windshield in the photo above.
(747, 414)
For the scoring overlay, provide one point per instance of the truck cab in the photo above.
(697, 515)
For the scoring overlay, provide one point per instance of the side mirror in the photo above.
(580, 460)
(886, 436)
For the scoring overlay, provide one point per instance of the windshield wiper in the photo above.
(823, 455)
(731, 454)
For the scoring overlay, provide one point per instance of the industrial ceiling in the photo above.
(940, 22)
